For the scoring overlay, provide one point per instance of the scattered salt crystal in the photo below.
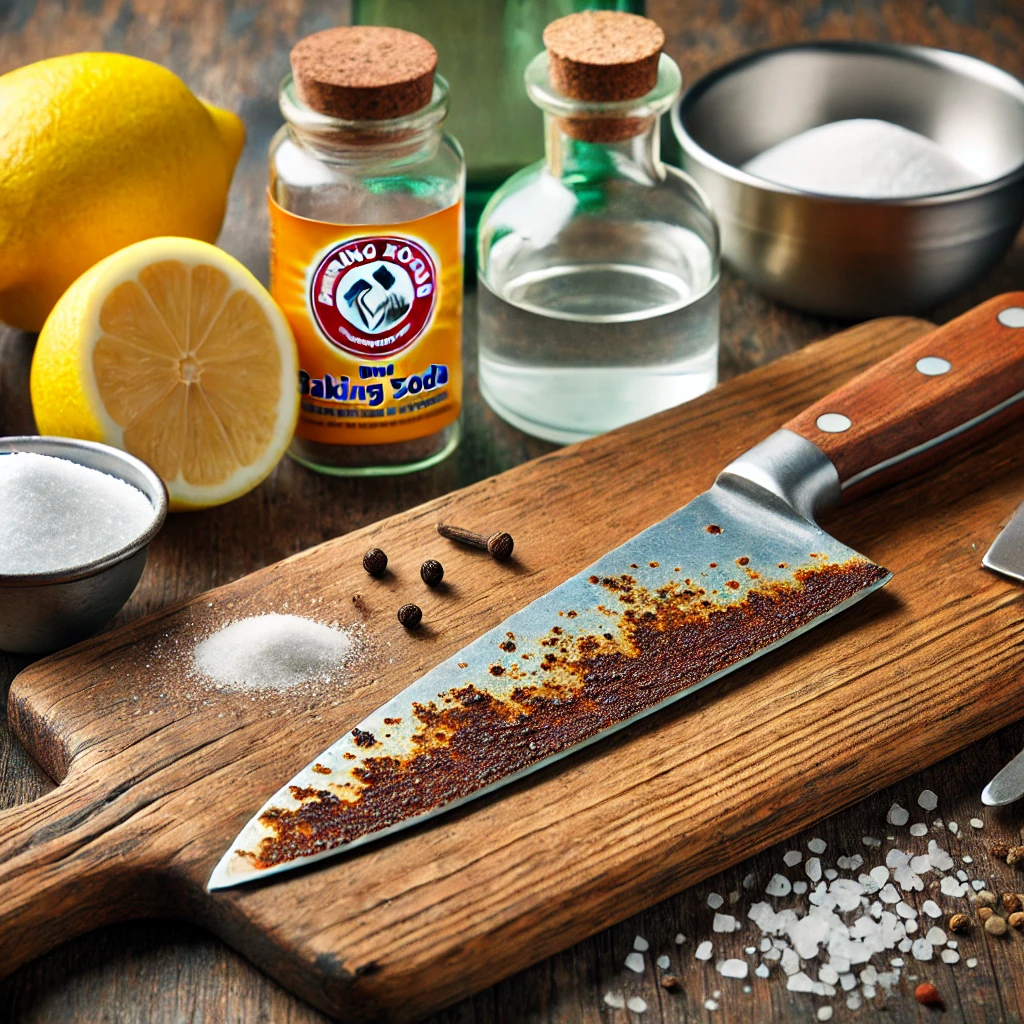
(664, 963)
(869, 975)
(952, 944)
(724, 923)
(766, 944)
(817, 846)
(897, 815)
(636, 1004)
(56, 514)
(919, 828)
(896, 962)
(714, 900)
(791, 858)
(906, 911)
(853, 1002)
(962, 875)
(800, 887)
(779, 885)
(920, 865)
(831, 874)
(910, 927)
(799, 982)
(950, 956)
(936, 936)
(868, 158)
(869, 991)
(951, 887)
(928, 800)
(938, 858)
(761, 970)
(977, 823)
(905, 945)
(710, 1004)
(750, 950)
(641, 945)
(272, 652)
(704, 951)
(732, 968)
(850, 863)
(748, 881)
(972, 961)
(978, 884)
(680, 939)
(635, 962)
(888, 894)
(968, 859)
(922, 949)
(614, 1000)
(879, 875)
(953, 827)
(847, 981)
(870, 841)
(747, 989)
(931, 908)
(813, 869)
(824, 1013)
(828, 974)
(791, 961)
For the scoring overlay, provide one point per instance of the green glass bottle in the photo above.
(484, 48)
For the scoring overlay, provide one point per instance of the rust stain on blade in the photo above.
(526, 709)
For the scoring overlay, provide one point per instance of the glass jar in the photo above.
(344, 192)
(598, 272)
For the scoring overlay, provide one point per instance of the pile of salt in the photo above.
(272, 652)
(862, 158)
(57, 515)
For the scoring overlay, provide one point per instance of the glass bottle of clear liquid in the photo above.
(598, 271)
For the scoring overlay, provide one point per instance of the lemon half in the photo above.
(171, 350)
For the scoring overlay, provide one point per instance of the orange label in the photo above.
(377, 314)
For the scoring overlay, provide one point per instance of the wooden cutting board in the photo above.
(158, 771)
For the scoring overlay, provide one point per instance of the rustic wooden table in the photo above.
(234, 54)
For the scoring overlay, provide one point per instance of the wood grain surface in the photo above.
(234, 53)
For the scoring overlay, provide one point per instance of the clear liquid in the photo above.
(573, 350)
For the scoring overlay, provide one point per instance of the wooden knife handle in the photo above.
(941, 393)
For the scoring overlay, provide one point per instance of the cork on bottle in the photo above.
(364, 72)
(603, 57)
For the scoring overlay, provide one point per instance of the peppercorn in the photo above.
(409, 615)
(927, 994)
(432, 572)
(999, 850)
(996, 925)
(1011, 902)
(1015, 855)
(1017, 919)
(959, 923)
(670, 983)
(375, 562)
(984, 913)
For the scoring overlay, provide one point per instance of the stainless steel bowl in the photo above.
(41, 612)
(857, 257)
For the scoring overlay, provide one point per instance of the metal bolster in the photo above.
(792, 468)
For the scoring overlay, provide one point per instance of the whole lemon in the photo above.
(97, 151)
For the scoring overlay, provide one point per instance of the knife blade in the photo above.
(1007, 786)
(1006, 555)
(729, 577)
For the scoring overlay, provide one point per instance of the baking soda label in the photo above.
(376, 312)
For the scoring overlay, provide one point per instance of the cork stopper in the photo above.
(364, 72)
(603, 56)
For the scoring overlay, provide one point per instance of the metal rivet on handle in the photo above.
(933, 366)
(1011, 317)
(833, 422)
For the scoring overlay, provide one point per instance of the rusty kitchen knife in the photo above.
(735, 573)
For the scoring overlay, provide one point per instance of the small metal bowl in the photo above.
(857, 258)
(44, 611)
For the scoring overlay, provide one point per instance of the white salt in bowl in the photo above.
(45, 611)
(849, 257)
